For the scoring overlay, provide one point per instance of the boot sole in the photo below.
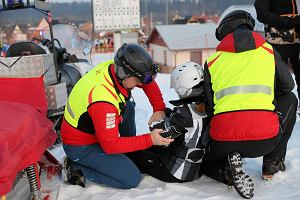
(242, 183)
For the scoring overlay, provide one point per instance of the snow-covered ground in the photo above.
(283, 186)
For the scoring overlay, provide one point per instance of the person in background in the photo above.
(249, 96)
(1, 46)
(282, 29)
(187, 123)
(99, 120)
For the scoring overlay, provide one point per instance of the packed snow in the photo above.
(285, 185)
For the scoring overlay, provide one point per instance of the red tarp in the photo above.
(25, 134)
(24, 90)
(25, 131)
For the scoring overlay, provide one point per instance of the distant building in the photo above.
(18, 35)
(37, 33)
(177, 19)
(203, 19)
(171, 45)
(2, 36)
(259, 27)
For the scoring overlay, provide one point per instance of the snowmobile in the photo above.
(71, 52)
(68, 49)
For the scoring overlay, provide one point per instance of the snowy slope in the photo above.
(283, 186)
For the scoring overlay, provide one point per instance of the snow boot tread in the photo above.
(242, 183)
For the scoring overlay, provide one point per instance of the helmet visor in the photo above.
(144, 78)
(148, 78)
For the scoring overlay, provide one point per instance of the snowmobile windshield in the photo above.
(70, 38)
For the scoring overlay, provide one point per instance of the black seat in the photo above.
(24, 49)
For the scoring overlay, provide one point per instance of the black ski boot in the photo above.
(72, 176)
(242, 183)
(271, 167)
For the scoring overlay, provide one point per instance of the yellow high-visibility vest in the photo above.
(243, 81)
(95, 86)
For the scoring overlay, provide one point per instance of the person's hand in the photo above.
(157, 139)
(157, 116)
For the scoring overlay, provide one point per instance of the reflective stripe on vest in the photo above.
(95, 86)
(240, 82)
(244, 90)
(69, 109)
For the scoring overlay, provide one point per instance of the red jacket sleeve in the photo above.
(106, 120)
(154, 95)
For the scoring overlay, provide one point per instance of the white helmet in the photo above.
(185, 77)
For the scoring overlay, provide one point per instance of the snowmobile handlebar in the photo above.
(61, 53)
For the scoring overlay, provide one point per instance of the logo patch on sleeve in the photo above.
(110, 120)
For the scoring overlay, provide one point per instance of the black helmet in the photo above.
(135, 61)
(234, 20)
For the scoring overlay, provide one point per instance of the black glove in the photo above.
(168, 112)
(160, 124)
(173, 127)
(157, 125)
(170, 131)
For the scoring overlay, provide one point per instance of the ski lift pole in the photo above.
(49, 20)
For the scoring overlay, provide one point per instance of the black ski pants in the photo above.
(291, 52)
(273, 148)
(148, 161)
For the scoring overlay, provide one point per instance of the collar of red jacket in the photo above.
(241, 40)
(116, 82)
